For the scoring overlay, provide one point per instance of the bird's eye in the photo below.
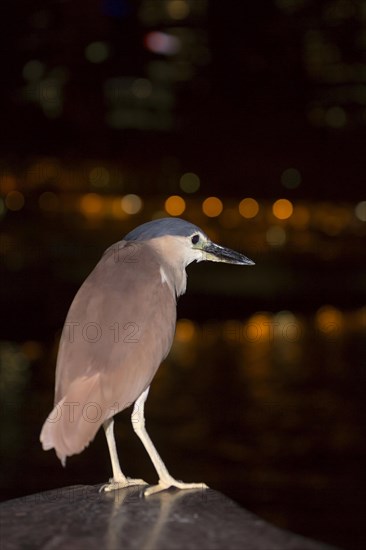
(195, 239)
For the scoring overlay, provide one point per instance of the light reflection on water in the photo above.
(268, 410)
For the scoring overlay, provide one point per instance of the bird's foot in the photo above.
(171, 482)
(114, 485)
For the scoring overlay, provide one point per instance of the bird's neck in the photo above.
(175, 278)
(172, 268)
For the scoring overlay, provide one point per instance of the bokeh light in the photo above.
(258, 329)
(300, 217)
(336, 117)
(131, 204)
(7, 183)
(189, 182)
(177, 9)
(212, 207)
(141, 88)
(33, 70)
(276, 235)
(91, 204)
(287, 326)
(360, 211)
(282, 209)
(14, 200)
(97, 52)
(248, 208)
(175, 205)
(185, 330)
(99, 176)
(329, 321)
(162, 42)
(291, 178)
(116, 209)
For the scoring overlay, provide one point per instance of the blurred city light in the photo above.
(329, 321)
(175, 205)
(91, 204)
(189, 182)
(7, 183)
(97, 52)
(33, 70)
(332, 219)
(177, 9)
(99, 176)
(276, 235)
(14, 200)
(287, 326)
(360, 211)
(258, 329)
(162, 43)
(131, 204)
(116, 209)
(185, 330)
(282, 209)
(248, 208)
(141, 88)
(300, 217)
(212, 207)
(291, 178)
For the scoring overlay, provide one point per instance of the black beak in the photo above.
(217, 253)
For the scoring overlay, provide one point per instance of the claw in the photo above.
(115, 485)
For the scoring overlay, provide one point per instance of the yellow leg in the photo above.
(165, 479)
(119, 480)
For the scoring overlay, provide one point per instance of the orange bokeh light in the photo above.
(248, 208)
(212, 207)
(175, 205)
(282, 209)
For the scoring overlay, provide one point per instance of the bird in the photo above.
(118, 330)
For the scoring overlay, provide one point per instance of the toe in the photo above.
(115, 485)
(164, 485)
(135, 482)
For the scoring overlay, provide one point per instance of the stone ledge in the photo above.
(79, 517)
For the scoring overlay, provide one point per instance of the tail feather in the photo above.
(75, 420)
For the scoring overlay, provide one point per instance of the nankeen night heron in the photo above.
(118, 330)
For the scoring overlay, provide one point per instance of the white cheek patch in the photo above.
(164, 278)
(201, 257)
(195, 255)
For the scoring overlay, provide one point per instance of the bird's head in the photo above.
(205, 249)
(183, 242)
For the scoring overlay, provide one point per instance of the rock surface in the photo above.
(80, 517)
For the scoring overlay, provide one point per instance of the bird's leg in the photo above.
(165, 479)
(119, 480)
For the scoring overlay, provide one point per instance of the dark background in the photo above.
(262, 396)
